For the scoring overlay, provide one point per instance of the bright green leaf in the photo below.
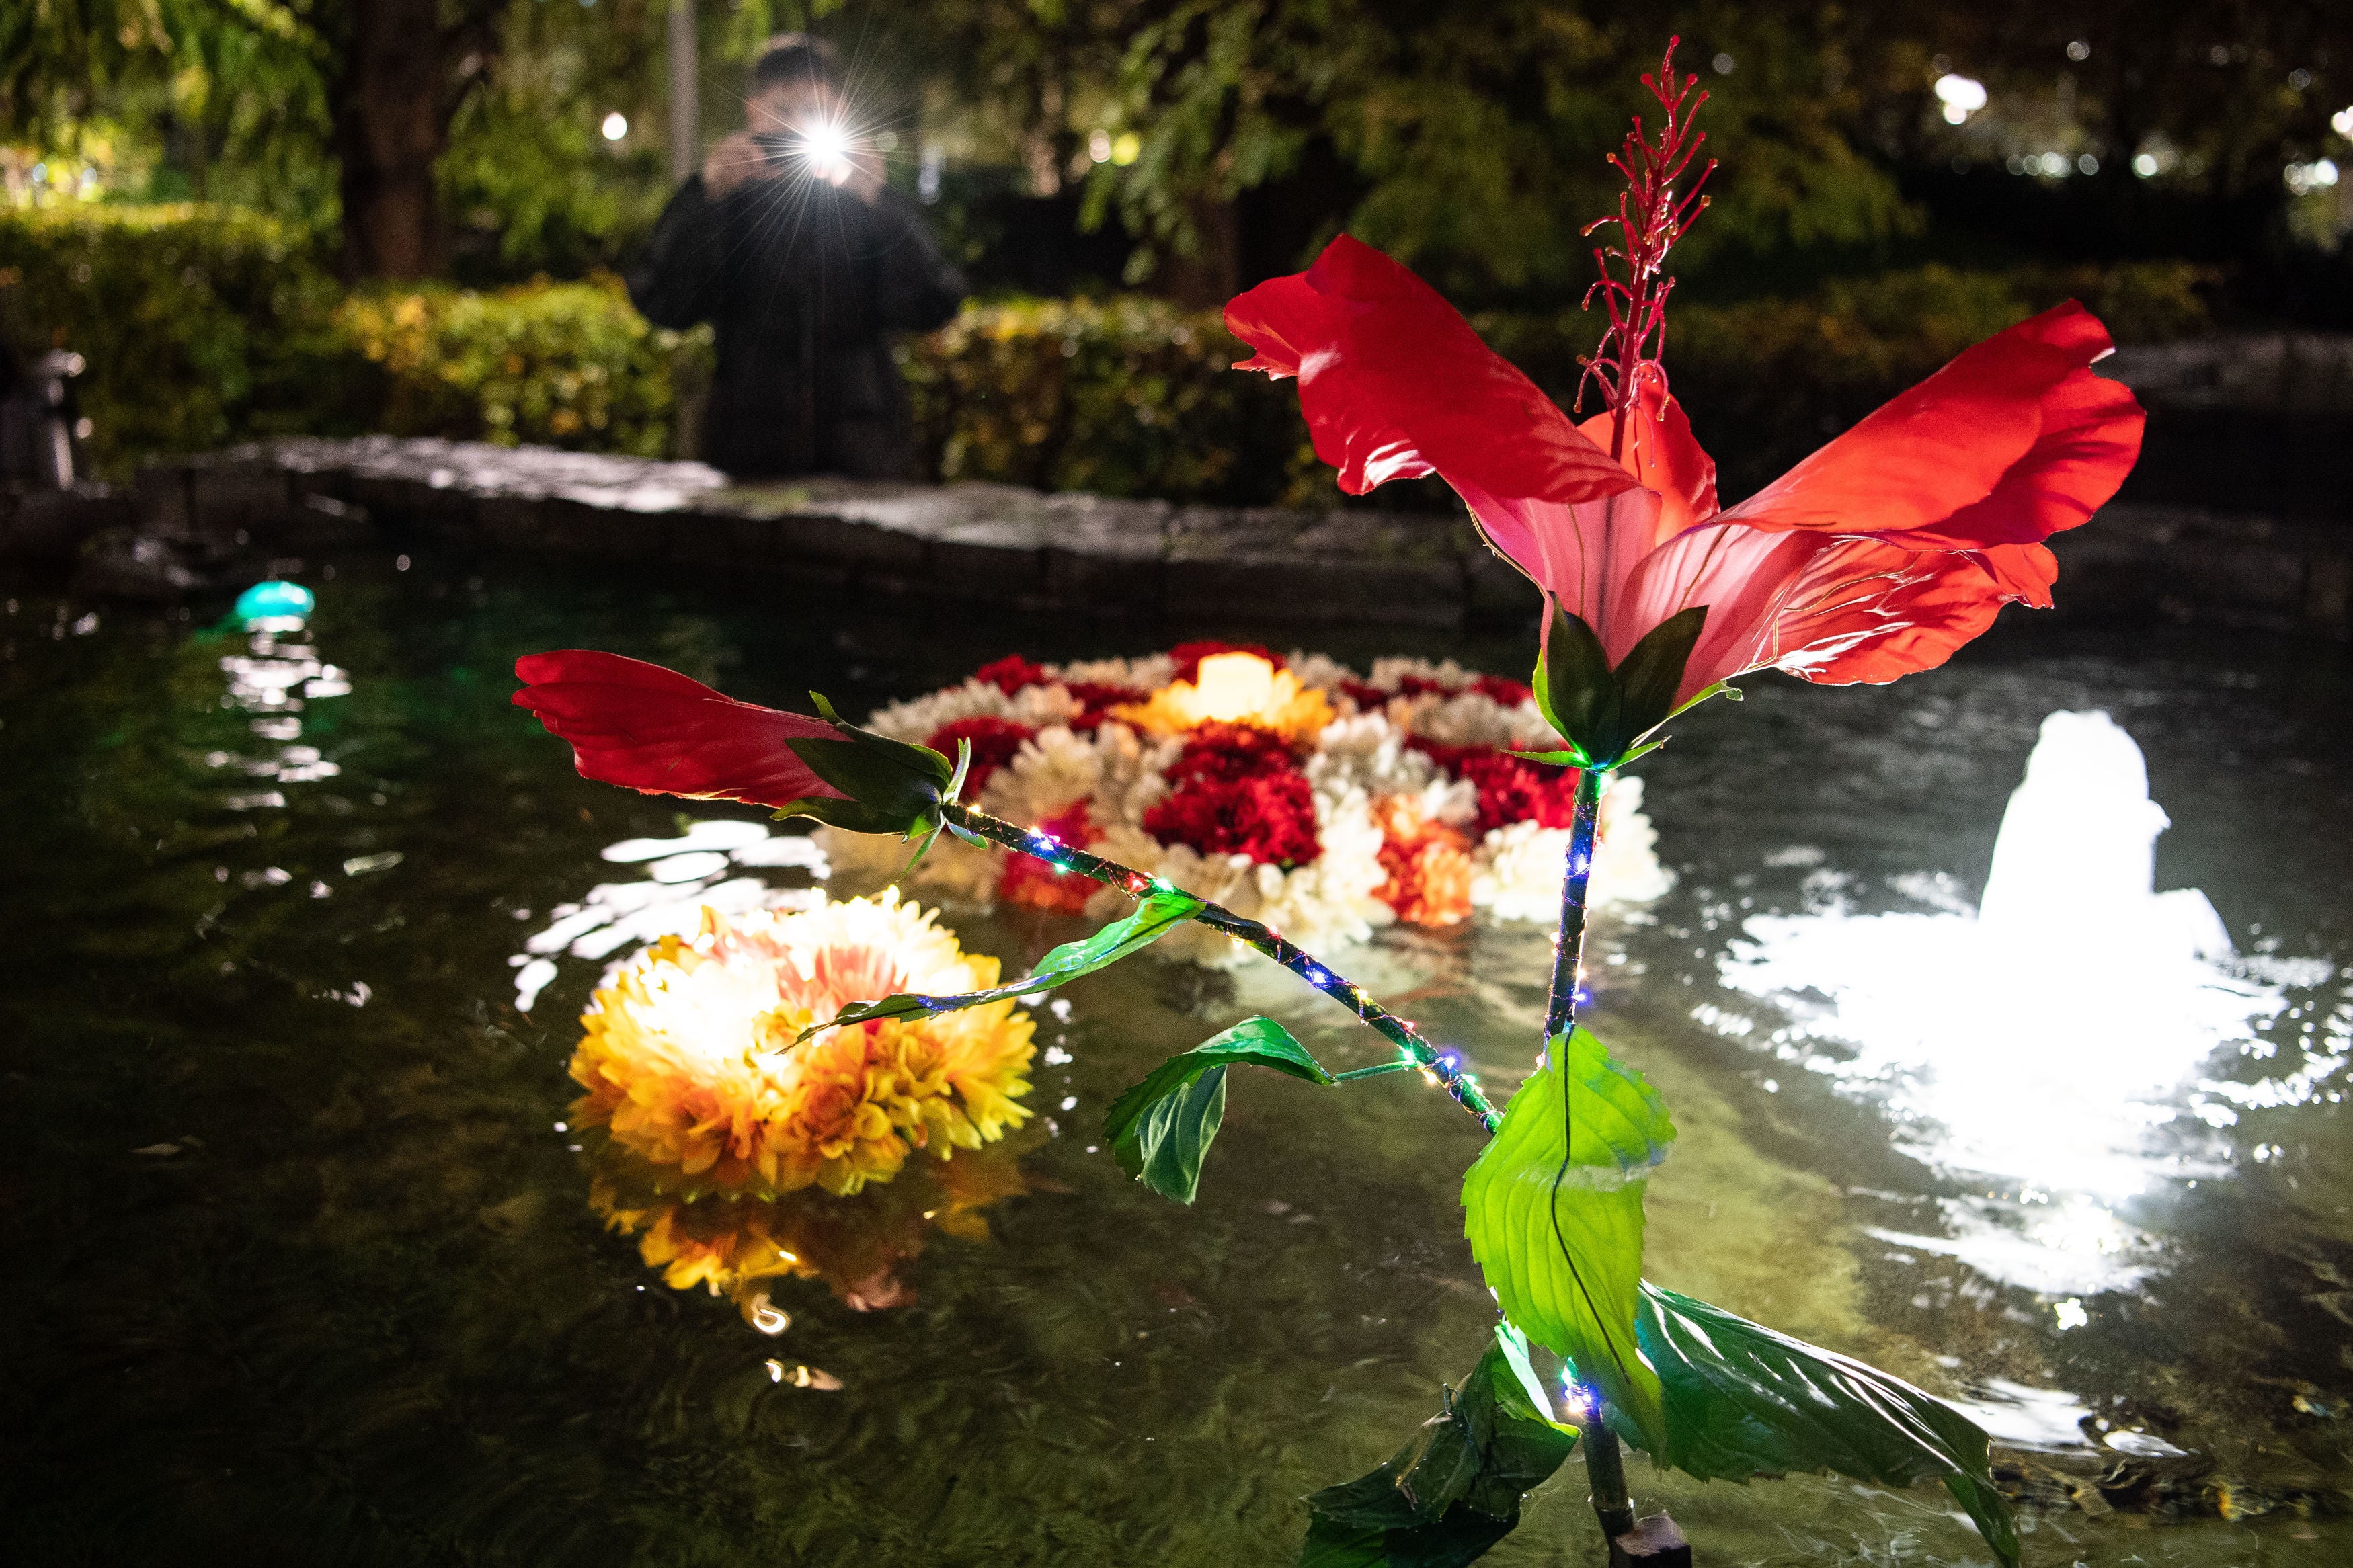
(1562, 1245)
(1454, 1489)
(1159, 912)
(1161, 1128)
(1741, 1400)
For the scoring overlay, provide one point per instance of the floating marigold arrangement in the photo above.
(1324, 803)
(694, 1063)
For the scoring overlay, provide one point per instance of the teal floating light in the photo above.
(275, 600)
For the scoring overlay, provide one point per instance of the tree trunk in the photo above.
(394, 98)
(1212, 275)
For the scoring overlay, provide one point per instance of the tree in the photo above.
(402, 69)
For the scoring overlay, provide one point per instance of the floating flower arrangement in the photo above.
(1293, 791)
(691, 1063)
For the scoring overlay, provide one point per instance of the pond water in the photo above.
(304, 1269)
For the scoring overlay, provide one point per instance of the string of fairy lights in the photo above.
(1442, 1068)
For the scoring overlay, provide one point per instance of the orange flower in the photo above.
(1428, 864)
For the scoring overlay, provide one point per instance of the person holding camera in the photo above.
(807, 264)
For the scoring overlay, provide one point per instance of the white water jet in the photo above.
(2032, 1048)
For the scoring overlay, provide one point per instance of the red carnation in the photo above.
(1039, 884)
(1270, 819)
(1224, 752)
(1012, 674)
(995, 742)
(1510, 789)
(1096, 699)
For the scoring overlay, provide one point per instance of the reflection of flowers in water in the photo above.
(856, 1245)
(690, 1061)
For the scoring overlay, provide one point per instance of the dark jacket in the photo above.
(806, 285)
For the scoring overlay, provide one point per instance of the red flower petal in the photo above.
(1395, 384)
(2013, 440)
(1662, 455)
(1829, 608)
(655, 730)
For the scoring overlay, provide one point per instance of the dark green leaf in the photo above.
(1160, 912)
(919, 760)
(1575, 690)
(1652, 671)
(1454, 1489)
(1161, 1128)
(1741, 1400)
(1162, 1143)
(850, 815)
(891, 794)
(1563, 1249)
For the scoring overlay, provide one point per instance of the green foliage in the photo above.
(1127, 397)
(1741, 1401)
(1474, 135)
(218, 100)
(563, 364)
(1161, 1128)
(1560, 1242)
(1159, 912)
(198, 324)
(208, 325)
(1454, 1489)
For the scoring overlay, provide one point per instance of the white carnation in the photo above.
(1053, 770)
(1517, 870)
(1319, 670)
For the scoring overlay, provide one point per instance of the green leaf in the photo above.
(1741, 1400)
(914, 759)
(1653, 670)
(1161, 1128)
(901, 799)
(1160, 912)
(1454, 1489)
(850, 815)
(963, 766)
(1574, 689)
(1562, 1248)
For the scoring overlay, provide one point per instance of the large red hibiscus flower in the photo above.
(1878, 555)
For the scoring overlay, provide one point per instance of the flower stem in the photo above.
(1442, 1067)
(1568, 962)
(1605, 1470)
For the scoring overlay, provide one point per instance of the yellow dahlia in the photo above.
(690, 1062)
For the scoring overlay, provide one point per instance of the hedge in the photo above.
(204, 326)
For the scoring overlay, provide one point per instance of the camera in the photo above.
(777, 146)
